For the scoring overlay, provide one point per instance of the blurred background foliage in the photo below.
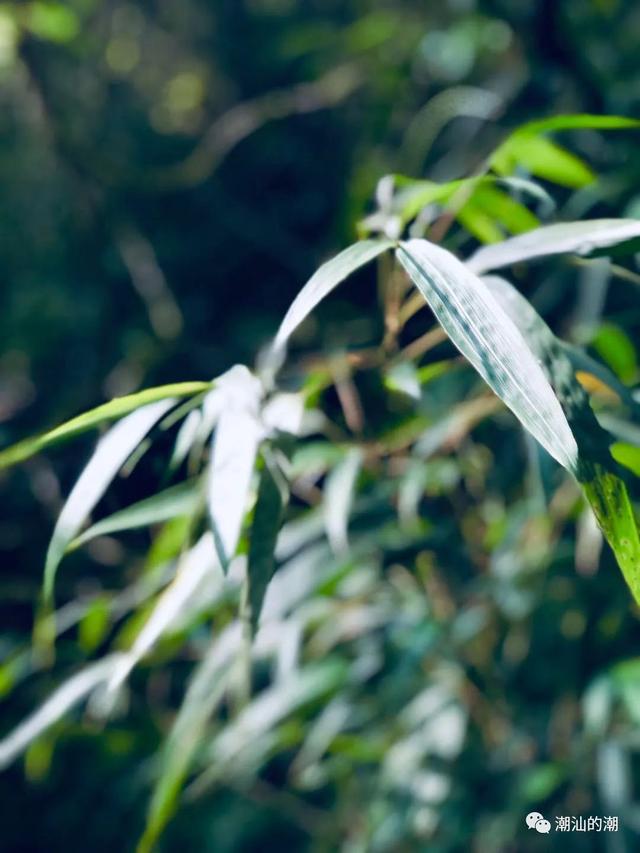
(171, 173)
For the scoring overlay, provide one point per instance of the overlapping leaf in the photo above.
(581, 238)
(110, 411)
(109, 456)
(272, 498)
(235, 450)
(605, 490)
(180, 500)
(489, 339)
(322, 282)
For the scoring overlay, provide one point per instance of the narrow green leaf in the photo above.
(412, 196)
(206, 690)
(94, 625)
(273, 495)
(323, 281)
(615, 347)
(544, 159)
(579, 238)
(489, 339)
(56, 706)
(580, 121)
(478, 223)
(180, 500)
(179, 598)
(338, 496)
(109, 456)
(114, 409)
(605, 491)
(235, 449)
(511, 214)
(609, 500)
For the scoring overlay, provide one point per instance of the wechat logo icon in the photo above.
(535, 820)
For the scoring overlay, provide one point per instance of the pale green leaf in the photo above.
(544, 159)
(489, 339)
(109, 456)
(180, 500)
(579, 238)
(606, 492)
(114, 409)
(205, 691)
(235, 449)
(339, 491)
(56, 706)
(323, 281)
(181, 596)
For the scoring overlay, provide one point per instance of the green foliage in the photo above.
(334, 594)
(495, 328)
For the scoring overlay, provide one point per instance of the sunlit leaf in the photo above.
(110, 411)
(57, 705)
(605, 490)
(185, 438)
(235, 449)
(94, 625)
(615, 348)
(478, 223)
(489, 339)
(511, 214)
(627, 455)
(581, 238)
(580, 121)
(528, 147)
(543, 159)
(108, 457)
(323, 281)
(194, 568)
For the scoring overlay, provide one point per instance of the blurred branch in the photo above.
(149, 282)
(245, 118)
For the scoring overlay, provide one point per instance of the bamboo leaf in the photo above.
(180, 500)
(338, 497)
(544, 159)
(56, 706)
(197, 565)
(235, 449)
(605, 490)
(109, 456)
(114, 409)
(205, 692)
(323, 281)
(273, 495)
(581, 238)
(511, 214)
(580, 121)
(489, 339)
